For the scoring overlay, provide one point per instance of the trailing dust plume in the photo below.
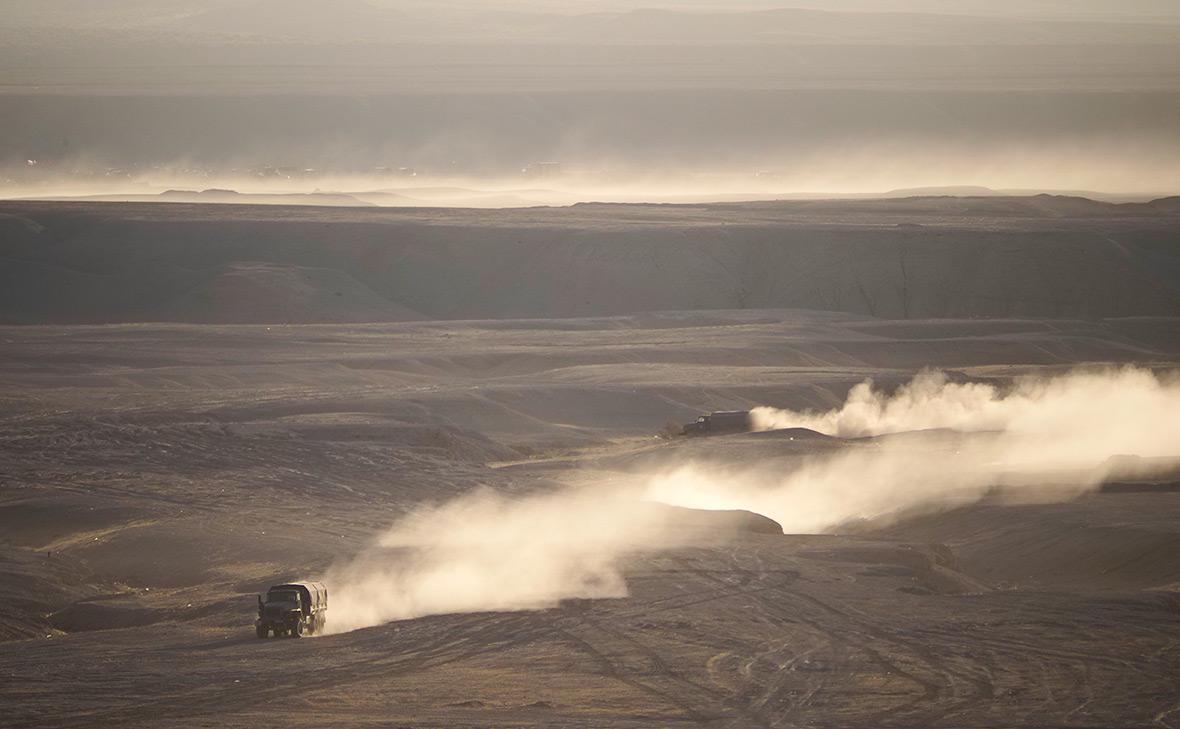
(1041, 438)
(485, 551)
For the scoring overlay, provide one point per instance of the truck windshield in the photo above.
(282, 597)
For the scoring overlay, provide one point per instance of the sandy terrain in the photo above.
(155, 477)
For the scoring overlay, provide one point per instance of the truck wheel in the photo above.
(297, 630)
(261, 631)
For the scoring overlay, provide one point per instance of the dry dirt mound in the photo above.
(791, 434)
(50, 523)
(1100, 541)
(728, 521)
(36, 584)
(128, 610)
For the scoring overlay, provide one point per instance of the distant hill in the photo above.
(920, 257)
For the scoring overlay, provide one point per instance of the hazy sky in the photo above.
(442, 46)
(964, 91)
(155, 9)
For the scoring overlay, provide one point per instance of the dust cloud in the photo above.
(1081, 403)
(486, 551)
(1063, 433)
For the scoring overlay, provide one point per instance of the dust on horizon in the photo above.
(588, 170)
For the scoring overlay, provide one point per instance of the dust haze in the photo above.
(485, 552)
(1101, 167)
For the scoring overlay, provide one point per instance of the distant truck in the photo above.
(292, 610)
(719, 423)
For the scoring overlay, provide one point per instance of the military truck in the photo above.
(719, 423)
(292, 610)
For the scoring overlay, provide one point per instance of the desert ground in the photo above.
(198, 402)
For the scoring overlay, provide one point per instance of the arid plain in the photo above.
(309, 377)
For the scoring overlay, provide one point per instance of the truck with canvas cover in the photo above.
(292, 610)
(719, 423)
